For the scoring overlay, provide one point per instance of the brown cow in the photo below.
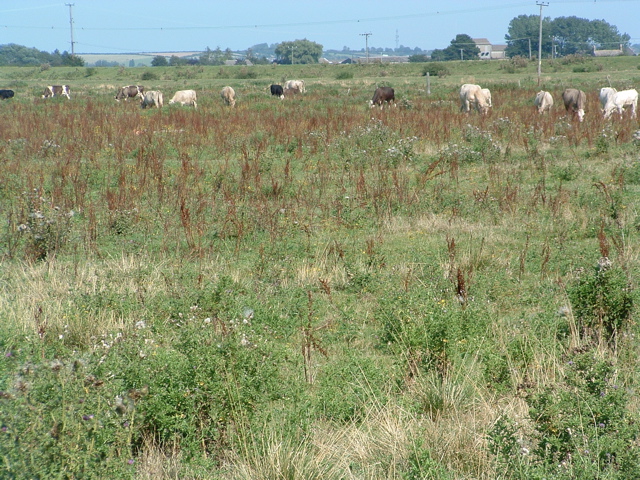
(130, 91)
(381, 95)
(574, 101)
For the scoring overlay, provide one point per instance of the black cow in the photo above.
(277, 90)
(381, 95)
(4, 94)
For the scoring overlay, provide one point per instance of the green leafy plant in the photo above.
(602, 302)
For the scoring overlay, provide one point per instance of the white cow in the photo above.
(619, 100)
(543, 101)
(472, 95)
(228, 94)
(152, 98)
(487, 95)
(605, 94)
(292, 84)
(185, 97)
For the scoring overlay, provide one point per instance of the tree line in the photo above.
(562, 36)
(19, 55)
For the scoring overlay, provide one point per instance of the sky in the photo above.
(136, 26)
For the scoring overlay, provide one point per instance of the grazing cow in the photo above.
(605, 94)
(57, 91)
(487, 95)
(299, 84)
(185, 97)
(619, 100)
(4, 94)
(277, 90)
(574, 101)
(130, 91)
(228, 94)
(472, 95)
(290, 92)
(152, 98)
(381, 95)
(543, 101)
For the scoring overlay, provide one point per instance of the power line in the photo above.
(70, 5)
(541, 4)
(366, 39)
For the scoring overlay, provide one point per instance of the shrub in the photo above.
(247, 73)
(418, 58)
(602, 302)
(344, 75)
(436, 69)
(146, 76)
(44, 228)
(519, 61)
(583, 423)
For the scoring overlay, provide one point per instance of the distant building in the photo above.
(383, 59)
(623, 50)
(488, 51)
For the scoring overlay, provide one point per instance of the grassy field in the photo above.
(312, 289)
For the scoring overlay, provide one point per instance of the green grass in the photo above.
(309, 288)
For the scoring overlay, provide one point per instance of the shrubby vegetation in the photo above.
(309, 288)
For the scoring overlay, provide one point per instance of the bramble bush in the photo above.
(602, 302)
(583, 424)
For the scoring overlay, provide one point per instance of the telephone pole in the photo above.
(366, 40)
(73, 50)
(541, 4)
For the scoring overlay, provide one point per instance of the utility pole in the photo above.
(541, 4)
(73, 50)
(529, 48)
(366, 40)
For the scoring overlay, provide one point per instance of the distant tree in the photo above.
(575, 35)
(13, 54)
(176, 61)
(251, 56)
(524, 28)
(298, 51)
(159, 61)
(571, 35)
(68, 60)
(462, 48)
(263, 50)
(132, 63)
(419, 57)
(105, 63)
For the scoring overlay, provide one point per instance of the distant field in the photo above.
(409, 79)
(309, 288)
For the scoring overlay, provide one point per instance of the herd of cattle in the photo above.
(471, 95)
(574, 100)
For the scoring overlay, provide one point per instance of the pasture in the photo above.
(308, 288)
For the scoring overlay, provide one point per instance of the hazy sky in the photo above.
(118, 26)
